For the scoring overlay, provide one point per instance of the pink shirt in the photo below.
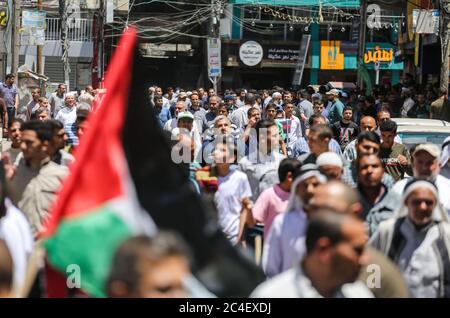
(270, 203)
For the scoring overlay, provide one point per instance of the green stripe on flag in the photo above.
(89, 242)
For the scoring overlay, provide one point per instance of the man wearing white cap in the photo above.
(187, 126)
(68, 114)
(425, 166)
(330, 164)
(417, 239)
(276, 98)
(444, 161)
(336, 108)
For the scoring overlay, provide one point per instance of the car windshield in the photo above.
(411, 140)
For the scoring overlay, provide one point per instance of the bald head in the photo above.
(337, 196)
(368, 123)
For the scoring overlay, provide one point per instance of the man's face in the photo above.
(186, 123)
(90, 90)
(223, 126)
(306, 189)
(44, 103)
(420, 204)
(425, 166)
(348, 114)
(223, 110)
(179, 107)
(163, 279)
(213, 104)
(211, 92)
(61, 89)
(330, 97)
(316, 144)
(31, 146)
(388, 139)
(318, 109)
(331, 172)
(81, 128)
(170, 92)
(271, 113)
(288, 109)
(35, 94)
(158, 91)
(195, 101)
(256, 115)
(43, 116)
(382, 117)
(367, 147)
(370, 171)
(15, 134)
(350, 254)
(230, 102)
(159, 102)
(367, 124)
(287, 98)
(70, 101)
(242, 95)
(59, 139)
(10, 80)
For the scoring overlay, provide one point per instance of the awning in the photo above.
(302, 3)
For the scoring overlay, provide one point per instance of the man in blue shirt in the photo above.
(336, 109)
(162, 113)
(10, 94)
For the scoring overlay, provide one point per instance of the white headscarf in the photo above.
(438, 213)
(295, 203)
(445, 154)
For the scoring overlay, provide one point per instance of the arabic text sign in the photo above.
(330, 56)
(214, 58)
(33, 19)
(251, 53)
(282, 54)
(378, 55)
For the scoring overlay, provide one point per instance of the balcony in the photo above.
(80, 30)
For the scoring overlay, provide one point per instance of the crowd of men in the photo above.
(315, 184)
(324, 179)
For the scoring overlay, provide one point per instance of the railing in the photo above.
(80, 30)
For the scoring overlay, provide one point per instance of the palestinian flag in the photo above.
(124, 159)
(97, 207)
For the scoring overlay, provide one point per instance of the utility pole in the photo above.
(445, 39)
(39, 64)
(16, 36)
(101, 41)
(362, 39)
(214, 33)
(64, 42)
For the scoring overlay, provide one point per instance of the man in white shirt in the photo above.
(68, 115)
(293, 127)
(16, 232)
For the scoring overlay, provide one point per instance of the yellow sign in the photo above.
(378, 55)
(330, 56)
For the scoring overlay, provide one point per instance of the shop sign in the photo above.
(251, 53)
(330, 56)
(379, 55)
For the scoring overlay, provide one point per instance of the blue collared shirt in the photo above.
(9, 94)
(163, 115)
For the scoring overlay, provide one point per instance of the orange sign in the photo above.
(330, 56)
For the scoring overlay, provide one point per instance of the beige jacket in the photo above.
(34, 190)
